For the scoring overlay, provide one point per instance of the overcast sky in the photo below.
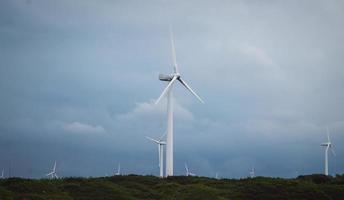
(78, 78)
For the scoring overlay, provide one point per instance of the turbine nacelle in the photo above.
(168, 77)
(325, 144)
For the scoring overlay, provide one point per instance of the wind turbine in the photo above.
(252, 173)
(188, 173)
(328, 146)
(118, 173)
(216, 175)
(53, 174)
(161, 153)
(171, 79)
(2, 174)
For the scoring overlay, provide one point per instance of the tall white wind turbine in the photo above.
(118, 173)
(53, 173)
(2, 174)
(171, 79)
(328, 146)
(160, 144)
(188, 173)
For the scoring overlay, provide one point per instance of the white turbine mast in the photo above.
(2, 174)
(188, 173)
(160, 144)
(118, 173)
(171, 79)
(328, 146)
(53, 173)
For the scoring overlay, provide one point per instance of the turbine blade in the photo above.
(333, 153)
(173, 50)
(186, 168)
(189, 88)
(54, 166)
(328, 135)
(49, 174)
(156, 141)
(160, 139)
(166, 89)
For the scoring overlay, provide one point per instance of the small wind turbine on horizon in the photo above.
(171, 79)
(2, 174)
(188, 173)
(252, 173)
(216, 175)
(53, 173)
(328, 146)
(160, 144)
(118, 173)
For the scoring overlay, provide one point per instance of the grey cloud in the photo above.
(270, 72)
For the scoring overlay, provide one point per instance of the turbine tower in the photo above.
(188, 173)
(2, 174)
(328, 146)
(161, 153)
(171, 79)
(53, 174)
(118, 173)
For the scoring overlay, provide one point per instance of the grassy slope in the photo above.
(148, 187)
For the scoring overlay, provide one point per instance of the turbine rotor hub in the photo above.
(177, 75)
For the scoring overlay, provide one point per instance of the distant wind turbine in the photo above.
(160, 144)
(2, 174)
(171, 79)
(53, 174)
(216, 175)
(118, 173)
(328, 146)
(252, 173)
(188, 173)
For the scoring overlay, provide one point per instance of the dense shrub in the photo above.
(135, 187)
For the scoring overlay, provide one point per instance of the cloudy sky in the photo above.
(78, 78)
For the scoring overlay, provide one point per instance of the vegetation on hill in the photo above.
(135, 187)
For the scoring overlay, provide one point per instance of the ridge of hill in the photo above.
(134, 187)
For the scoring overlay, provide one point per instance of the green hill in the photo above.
(180, 187)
